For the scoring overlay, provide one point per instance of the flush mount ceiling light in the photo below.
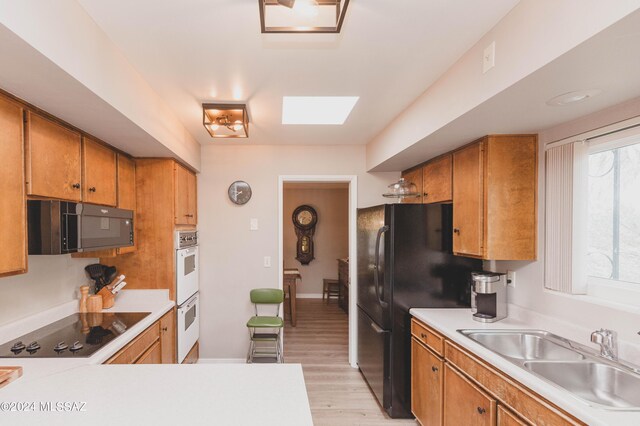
(573, 97)
(226, 120)
(317, 109)
(302, 16)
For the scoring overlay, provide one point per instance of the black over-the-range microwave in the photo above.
(59, 227)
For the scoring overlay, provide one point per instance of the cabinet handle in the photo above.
(481, 410)
(76, 186)
(434, 368)
(424, 336)
(165, 329)
(92, 189)
(188, 215)
(426, 194)
(456, 231)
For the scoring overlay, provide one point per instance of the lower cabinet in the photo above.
(427, 384)
(471, 405)
(451, 386)
(193, 355)
(155, 345)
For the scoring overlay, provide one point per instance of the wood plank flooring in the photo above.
(338, 394)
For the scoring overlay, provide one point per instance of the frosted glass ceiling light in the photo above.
(317, 109)
(302, 16)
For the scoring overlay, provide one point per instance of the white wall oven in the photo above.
(187, 271)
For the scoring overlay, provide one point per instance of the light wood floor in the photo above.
(338, 394)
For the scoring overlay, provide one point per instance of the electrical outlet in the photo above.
(511, 279)
(267, 261)
(489, 57)
(253, 224)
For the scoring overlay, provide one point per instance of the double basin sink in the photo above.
(578, 369)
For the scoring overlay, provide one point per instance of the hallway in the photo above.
(338, 394)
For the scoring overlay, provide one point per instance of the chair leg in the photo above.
(250, 353)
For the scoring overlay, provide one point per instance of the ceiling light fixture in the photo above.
(226, 120)
(302, 16)
(573, 97)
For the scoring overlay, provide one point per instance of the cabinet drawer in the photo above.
(472, 405)
(153, 355)
(507, 418)
(529, 406)
(131, 353)
(427, 336)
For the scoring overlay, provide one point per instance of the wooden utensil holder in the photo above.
(108, 298)
(94, 303)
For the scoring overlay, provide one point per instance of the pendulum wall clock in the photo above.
(304, 220)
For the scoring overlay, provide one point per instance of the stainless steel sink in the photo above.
(568, 365)
(524, 345)
(598, 383)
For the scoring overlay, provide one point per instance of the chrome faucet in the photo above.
(608, 343)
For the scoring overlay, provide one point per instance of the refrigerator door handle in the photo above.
(376, 274)
(376, 328)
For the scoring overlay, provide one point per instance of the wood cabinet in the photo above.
(127, 192)
(13, 222)
(53, 159)
(414, 176)
(155, 345)
(427, 385)
(437, 175)
(185, 198)
(99, 173)
(168, 337)
(495, 198)
(467, 403)
(474, 392)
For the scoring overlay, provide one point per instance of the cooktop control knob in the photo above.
(33, 347)
(17, 347)
(76, 347)
(60, 347)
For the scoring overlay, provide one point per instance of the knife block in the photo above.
(108, 299)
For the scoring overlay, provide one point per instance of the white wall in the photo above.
(231, 256)
(530, 292)
(51, 281)
(331, 238)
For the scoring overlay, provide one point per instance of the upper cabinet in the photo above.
(495, 184)
(53, 159)
(185, 196)
(99, 173)
(127, 191)
(415, 177)
(437, 180)
(13, 260)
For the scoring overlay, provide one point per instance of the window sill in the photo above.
(629, 306)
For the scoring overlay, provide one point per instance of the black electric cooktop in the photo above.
(78, 335)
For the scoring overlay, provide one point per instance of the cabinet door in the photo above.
(181, 176)
(99, 173)
(414, 176)
(437, 185)
(468, 200)
(127, 191)
(52, 159)
(465, 403)
(507, 418)
(153, 355)
(426, 385)
(13, 237)
(168, 337)
(192, 198)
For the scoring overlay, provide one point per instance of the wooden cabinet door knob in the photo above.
(481, 410)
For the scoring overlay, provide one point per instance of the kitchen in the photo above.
(133, 79)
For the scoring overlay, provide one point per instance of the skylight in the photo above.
(317, 109)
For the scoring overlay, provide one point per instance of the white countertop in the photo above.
(201, 394)
(448, 321)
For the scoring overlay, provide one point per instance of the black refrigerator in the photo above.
(404, 261)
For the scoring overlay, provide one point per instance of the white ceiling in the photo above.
(388, 53)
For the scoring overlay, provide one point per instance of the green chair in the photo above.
(266, 329)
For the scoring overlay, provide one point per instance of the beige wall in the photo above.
(51, 281)
(530, 291)
(331, 238)
(231, 255)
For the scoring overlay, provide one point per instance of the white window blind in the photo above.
(566, 214)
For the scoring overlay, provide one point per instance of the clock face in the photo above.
(304, 217)
(239, 192)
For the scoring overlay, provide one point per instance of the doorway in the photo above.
(313, 289)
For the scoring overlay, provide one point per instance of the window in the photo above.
(614, 213)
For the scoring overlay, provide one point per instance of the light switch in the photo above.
(267, 261)
(253, 224)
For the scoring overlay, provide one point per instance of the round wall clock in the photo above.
(304, 219)
(239, 192)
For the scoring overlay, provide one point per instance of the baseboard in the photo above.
(222, 361)
(309, 296)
